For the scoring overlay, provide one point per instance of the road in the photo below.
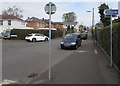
(20, 58)
(87, 65)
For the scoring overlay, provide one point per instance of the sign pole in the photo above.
(119, 9)
(50, 41)
(111, 42)
(50, 9)
(111, 12)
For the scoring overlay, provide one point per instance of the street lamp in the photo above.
(92, 18)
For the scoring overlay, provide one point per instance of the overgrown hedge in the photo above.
(21, 33)
(103, 38)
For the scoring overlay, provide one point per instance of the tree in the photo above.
(104, 19)
(14, 10)
(69, 19)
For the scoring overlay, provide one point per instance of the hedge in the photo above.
(21, 33)
(103, 38)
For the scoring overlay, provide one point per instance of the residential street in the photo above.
(87, 65)
(21, 59)
(54, 42)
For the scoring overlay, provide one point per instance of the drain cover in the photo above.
(33, 75)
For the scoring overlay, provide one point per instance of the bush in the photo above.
(104, 41)
(21, 33)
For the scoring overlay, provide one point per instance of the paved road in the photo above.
(21, 59)
(87, 65)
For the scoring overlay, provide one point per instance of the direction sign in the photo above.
(53, 8)
(111, 12)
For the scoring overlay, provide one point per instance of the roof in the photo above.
(37, 20)
(12, 17)
(70, 23)
(43, 21)
(60, 23)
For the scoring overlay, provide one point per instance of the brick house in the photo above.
(38, 23)
(58, 25)
(42, 23)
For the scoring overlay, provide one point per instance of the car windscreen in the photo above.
(71, 36)
(29, 35)
(84, 33)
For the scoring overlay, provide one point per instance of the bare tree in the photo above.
(14, 10)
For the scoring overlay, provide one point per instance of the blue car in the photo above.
(71, 40)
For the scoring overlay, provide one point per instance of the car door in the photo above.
(42, 37)
(37, 36)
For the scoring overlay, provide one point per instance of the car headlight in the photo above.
(62, 42)
(73, 43)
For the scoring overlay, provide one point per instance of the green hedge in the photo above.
(103, 38)
(21, 33)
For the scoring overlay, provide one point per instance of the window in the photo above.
(9, 22)
(37, 34)
(1, 22)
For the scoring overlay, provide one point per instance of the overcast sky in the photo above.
(36, 9)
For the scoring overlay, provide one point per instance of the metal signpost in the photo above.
(119, 8)
(111, 12)
(50, 9)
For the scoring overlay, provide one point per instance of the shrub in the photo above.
(104, 41)
(21, 33)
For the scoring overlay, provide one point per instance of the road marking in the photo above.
(6, 81)
(82, 51)
(96, 52)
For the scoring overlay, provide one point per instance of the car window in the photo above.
(71, 36)
(29, 35)
(41, 35)
(37, 34)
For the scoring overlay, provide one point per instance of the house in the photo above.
(10, 22)
(58, 25)
(37, 23)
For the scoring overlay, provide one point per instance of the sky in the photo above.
(36, 9)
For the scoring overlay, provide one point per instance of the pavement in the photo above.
(87, 65)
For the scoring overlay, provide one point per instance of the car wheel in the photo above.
(80, 44)
(62, 47)
(33, 40)
(76, 47)
(46, 39)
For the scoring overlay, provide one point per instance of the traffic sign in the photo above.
(111, 12)
(50, 9)
(53, 8)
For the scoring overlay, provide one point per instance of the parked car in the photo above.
(71, 40)
(33, 37)
(84, 35)
(6, 34)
